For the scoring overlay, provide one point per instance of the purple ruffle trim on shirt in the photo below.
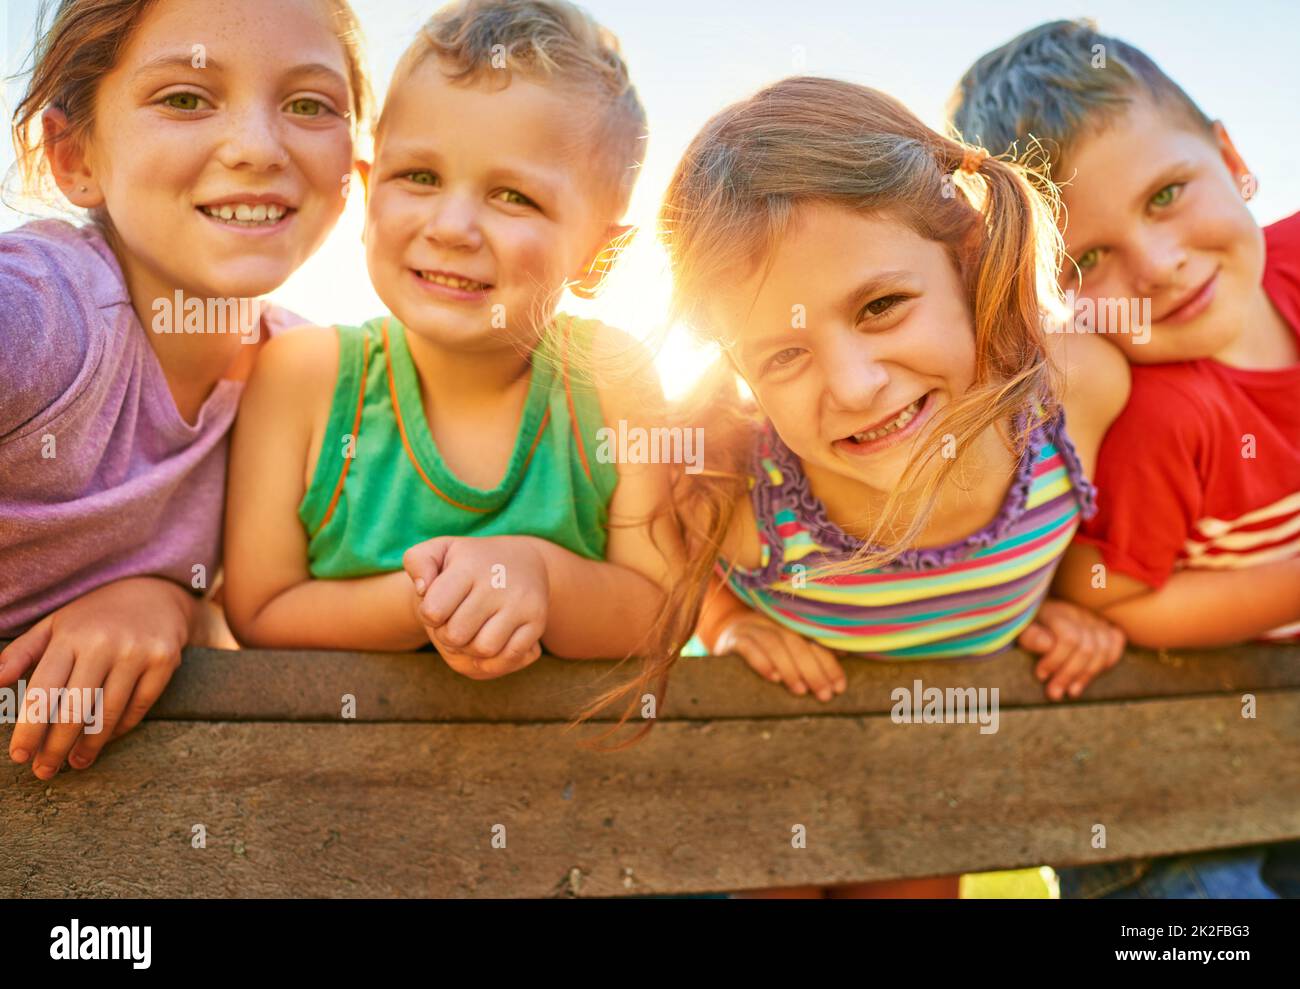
(1084, 490)
(795, 493)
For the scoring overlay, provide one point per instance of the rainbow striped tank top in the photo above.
(972, 597)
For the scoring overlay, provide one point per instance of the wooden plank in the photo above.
(307, 685)
(310, 686)
(408, 809)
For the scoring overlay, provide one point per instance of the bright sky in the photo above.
(690, 58)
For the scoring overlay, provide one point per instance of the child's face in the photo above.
(480, 208)
(261, 124)
(1155, 212)
(860, 326)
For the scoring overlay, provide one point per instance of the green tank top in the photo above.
(380, 485)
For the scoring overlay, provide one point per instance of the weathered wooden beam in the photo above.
(309, 686)
(355, 809)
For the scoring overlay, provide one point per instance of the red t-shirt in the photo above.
(1202, 468)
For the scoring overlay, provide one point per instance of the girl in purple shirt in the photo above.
(209, 146)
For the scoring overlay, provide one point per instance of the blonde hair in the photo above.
(731, 200)
(552, 40)
(82, 44)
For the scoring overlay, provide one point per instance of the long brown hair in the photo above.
(731, 199)
(83, 42)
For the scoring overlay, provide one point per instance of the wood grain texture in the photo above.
(367, 809)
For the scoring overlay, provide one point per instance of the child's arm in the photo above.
(1193, 608)
(1189, 609)
(720, 609)
(271, 598)
(607, 609)
(1075, 644)
(727, 625)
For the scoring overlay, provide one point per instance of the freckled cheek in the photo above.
(327, 167)
(143, 168)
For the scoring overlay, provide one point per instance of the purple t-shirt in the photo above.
(100, 476)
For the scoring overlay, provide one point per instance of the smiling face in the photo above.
(1155, 211)
(853, 342)
(478, 200)
(222, 180)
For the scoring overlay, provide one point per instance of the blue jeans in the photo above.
(1263, 872)
(1282, 869)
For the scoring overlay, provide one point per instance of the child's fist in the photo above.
(1078, 645)
(484, 601)
(782, 656)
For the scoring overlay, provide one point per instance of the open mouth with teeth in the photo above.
(453, 281)
(247, 214)
(897, 424)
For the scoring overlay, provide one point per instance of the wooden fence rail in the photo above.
(442, 786)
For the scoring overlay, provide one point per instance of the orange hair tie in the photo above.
(972, 159)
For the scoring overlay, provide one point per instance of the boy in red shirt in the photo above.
(1196, 541)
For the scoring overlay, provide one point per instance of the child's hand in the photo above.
(125, 637)
(484, 601)
(779, 655)
(1079, 644)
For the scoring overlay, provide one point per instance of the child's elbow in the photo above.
(243, 619)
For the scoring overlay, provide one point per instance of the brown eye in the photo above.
(878, 307)
(782, 358)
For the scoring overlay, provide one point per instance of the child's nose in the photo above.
(1157, 260)
(854, 375)
(453, 222)
(253, 140)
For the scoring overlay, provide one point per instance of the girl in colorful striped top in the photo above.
(902, 485)
(971, 596)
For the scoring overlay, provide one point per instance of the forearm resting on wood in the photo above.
(1205, 608)
(367, 613)
(597, 610)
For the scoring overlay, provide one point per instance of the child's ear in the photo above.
(1247, 183)
(616, 238)
(363, 170)
(72, 173)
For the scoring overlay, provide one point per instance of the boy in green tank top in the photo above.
(434, 475)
